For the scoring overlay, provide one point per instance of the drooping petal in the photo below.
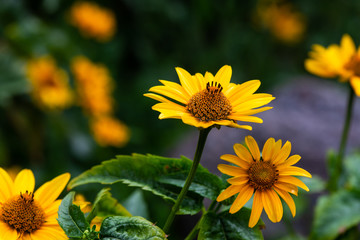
(256, 210)
(7, 186)
(288, 199)
(253, 147)
(51, 190)
(235, 160)
(243, 153)
(228, 192)
(242, 198)
(24, 181)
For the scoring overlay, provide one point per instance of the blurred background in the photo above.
(73, 75)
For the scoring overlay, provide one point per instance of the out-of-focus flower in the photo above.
(284, 23)
(109, 131)
(50, 87)
(342, 61)
(25, 214)
(269, 175)
(94, 86)
(210, 101)
(93, 20)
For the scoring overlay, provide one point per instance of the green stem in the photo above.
(199, 149)
(339, 159)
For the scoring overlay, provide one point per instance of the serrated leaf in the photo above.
(130, 228)
(229, 226)
(162, 176)
(70, 217)
(109, 206)
(335, 213)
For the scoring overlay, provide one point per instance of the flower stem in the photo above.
(338, 165)
(199, 149)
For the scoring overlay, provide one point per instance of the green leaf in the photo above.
(336, 213)
(162, 176)
(70, 217)
(130, 228)
(316, 184)
(109, 206)
(352, 166)
(136, 204)
(229, 226)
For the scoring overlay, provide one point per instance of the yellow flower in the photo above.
(282, 20)
(25, 214)
(268, 175)
(205, 101)
(342, 61)
(93, 20)
(94, 86)
(50, 87)
(109, 131)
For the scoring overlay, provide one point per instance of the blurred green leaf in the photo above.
(335, 214)
(71, 218)
(352, 166)
(160, 175)
(315, 184)
(109, 206)
(130, 228)
(229, 226)
(136, 204)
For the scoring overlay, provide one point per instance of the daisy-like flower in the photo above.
(342, 61)
(25, 214)
(266, 176)
(205, 101)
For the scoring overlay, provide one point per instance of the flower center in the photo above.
(210, 104)
(22, 213)
(354, 65)
(262, 175)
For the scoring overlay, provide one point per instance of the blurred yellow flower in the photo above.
(342, 61)
(109, 131)
(269, 175)
(25, 214)
(94, 86)
(210, 101)
(284, 23)
(50, 87)
(93, 20)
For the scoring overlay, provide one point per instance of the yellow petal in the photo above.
(235, 160)
(242, 91)
(272, 205)
(238, 180)
(268, 149)
(243, 118)
(243, 153)
(52, 208)
(348, 47)
(186, 81)
(259, 101)
(355, 84)
(157, 97)
(51, 190)
(24, 181)
(293, 180)
(256, 210)
(170, 93)
(176, 87)
(228, 192)
(296, 171)
(242, 198)
(254, 111)
(288, 199)
(48, 233)
(290, 161)
(7, 186)
(283, 154)
(223, 76)
(190, 120)
(276, 149)
(231, 170)
(6, 232)
(287, 187)
(253, 147)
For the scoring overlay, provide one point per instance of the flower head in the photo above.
(109, 131)
(342, 61)
(50, 87)
(25, 214)
(205, 101)
(266, 176)
(93, 20)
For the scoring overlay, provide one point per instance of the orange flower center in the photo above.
(262, 175)
(210, 104)
(354, 65)
(22, 213)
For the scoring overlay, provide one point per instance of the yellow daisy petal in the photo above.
(235, 160)
(49, 233)
(7, 233)
(291, 188)
(223, 76)
(290, 161)
(293, 180)
(7, 186)
(253, 147)
(241, 117)
(229, 192)
(283, 153)
(288, 199)
(256, 210)
(186, 81)
(355, 84)
(296, 171)
(243, 153)
(238, 180)
(242, 91)
(272, 205)
(24, 182)
(170, 93)
(276, 149)
(242, 198)
(267, 149)
(231, 170)
(49, 191)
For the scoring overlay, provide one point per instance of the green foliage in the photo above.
(71, 219)
(130, 228)
(162, 176)
(106, 205)
(316, 184)
(229, 226)
(335, 213)
(352, 166)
